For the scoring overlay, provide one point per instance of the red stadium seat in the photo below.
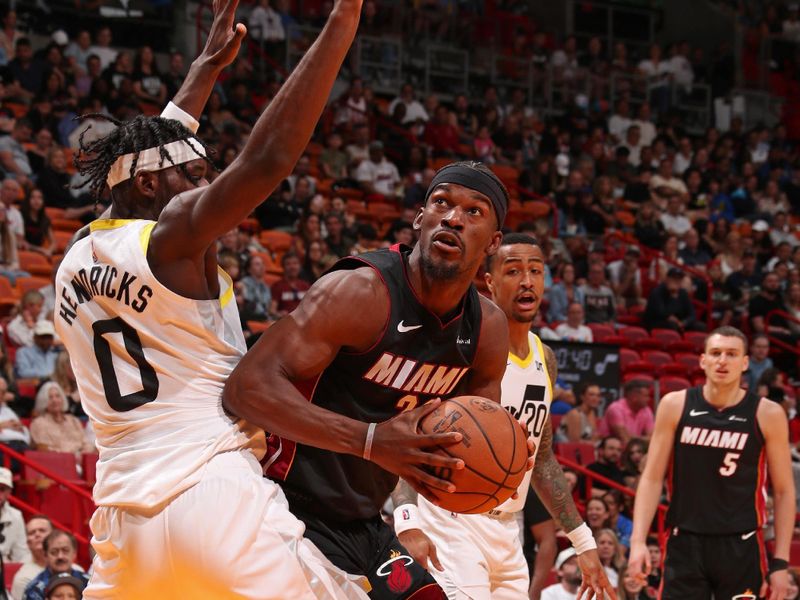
(35, 263)
(689, 359)
(555, 421)
(794, 553)
(628, 356)
(634, 333)
(600, 331)
(642, 344)
(672, 384)
(61, 463)
(89, 464)
(277, 241)
(665, 335)
(580, 452)
(25, 284)
(696, 338)
(675, 369)
(656, 357)
(617, 340)
(639, 366)
(680, 346)
(9, 570)
(637, 376)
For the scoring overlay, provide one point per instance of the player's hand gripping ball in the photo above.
(494, 450)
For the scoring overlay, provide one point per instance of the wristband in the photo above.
(582, 539)
(406, 516)
(176, 113)
(777, 564)
(368, 441)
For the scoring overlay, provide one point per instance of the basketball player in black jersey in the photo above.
(378, 337)
(717, 441)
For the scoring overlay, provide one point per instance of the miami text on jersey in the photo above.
(103, 281)
(407, 375)
(714, 438)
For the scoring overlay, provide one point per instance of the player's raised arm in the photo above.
(332, 316)
(548, 480)
(651, 482)
(194, 219)
(772, 421)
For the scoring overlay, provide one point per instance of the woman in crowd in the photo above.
(648, 228)
(309, 230)
(65, 377)
(580, 424)
(730, 256)
(9, 260)
(596, 515)
(147, 83)
(611, 554)
(38, 230)
(631, 461)
(632, 587)
(12, 432)
(54, 429)
(562, 294)
(317, 261)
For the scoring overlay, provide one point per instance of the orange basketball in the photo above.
(494, 450)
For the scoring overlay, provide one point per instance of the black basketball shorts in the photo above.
(725, 567)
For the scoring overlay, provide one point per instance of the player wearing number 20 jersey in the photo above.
(131, 341)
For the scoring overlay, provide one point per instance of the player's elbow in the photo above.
(237, 393)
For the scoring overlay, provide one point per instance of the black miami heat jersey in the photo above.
(417, 358)
(717, 478)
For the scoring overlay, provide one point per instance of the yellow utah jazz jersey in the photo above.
(526, 394)
(150, 366)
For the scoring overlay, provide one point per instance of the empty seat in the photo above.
(639, 366)
(688, 359)
(637, 376)
(89, 464)
(665, 335)
(642, 344)
(35, 263)
(579, 452)
(277, 241)
(628, 356)
(634, 333)
(656, 357)
(674, 369)
(680, 346)
(600, 331)
(696, 338)
(25, 284)
(672, 384)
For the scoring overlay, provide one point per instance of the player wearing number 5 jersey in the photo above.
(716, 443)
(153, 333)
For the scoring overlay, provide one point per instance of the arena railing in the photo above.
(776, 341)
(82, 499)
(591, 477)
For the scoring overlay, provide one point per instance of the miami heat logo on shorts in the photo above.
(398, 578)
(748, 595)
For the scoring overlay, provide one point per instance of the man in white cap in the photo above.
(38, 361)
(12, 527)
(569, 576)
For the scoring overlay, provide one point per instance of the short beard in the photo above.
(519, 318)
(438, 272)
(574, 579)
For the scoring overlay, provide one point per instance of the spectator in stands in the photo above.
(102, 47)
(290, 289)
(9, 259)
(37, 529)
(28, 71)
(664, 185)
(612, 554)
(358, 149)
(414, 109)
(20, 329)
(648, 228)
(54, 429)
(783, 253)
(333, 160)
(759, 360)
(38, 230)
(79, 50)
(61, 550)
(267, 28)
(633, 144)
(596, 514)
(54, 180)
(746, 279)
(782, 231)
(337, 243)
(12, 432)
(302, 170)
(377, 175)
(670, 307)
(792, 301)
(12, 544)
(352, 108)
(609, 453)
(317, 261)
(674, 221)
(64, 587)
(580, 423)
(626, 279)
(767, 300)
(620, 121)
(38, 360)
(574, 330)
(632, 587)
(631, 415)
(13, 157)
(693, 254)
(255, 292)
(598, 298)
(563, 293)
(148, 85)
(569, 577)
(64, 376)
(631, 462)
(616, 521)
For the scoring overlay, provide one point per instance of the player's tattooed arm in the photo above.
(547, 477)
(403, 494)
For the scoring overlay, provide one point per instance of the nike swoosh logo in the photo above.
(404, 328)
(697, 413)
(747, 536)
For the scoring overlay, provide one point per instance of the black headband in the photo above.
(475, 180)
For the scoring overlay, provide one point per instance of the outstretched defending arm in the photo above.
(548, 480)
(194, 219)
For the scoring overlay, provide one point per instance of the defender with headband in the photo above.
(153, 331)
(382, 336)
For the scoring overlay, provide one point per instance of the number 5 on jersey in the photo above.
(133, 346)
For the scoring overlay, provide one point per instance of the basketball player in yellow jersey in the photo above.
(153, 334)
(479, 557)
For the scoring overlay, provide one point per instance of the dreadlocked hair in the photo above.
(140, 133)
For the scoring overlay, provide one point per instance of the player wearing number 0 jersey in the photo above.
(480, 556)
(714, 443)
(153, 334)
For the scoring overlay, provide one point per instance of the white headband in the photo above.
(180, 151)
